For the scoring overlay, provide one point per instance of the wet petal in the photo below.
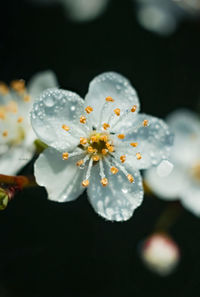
(118, 200)
(61, 178)
(114, 85)
(190, 198)
(54, 109)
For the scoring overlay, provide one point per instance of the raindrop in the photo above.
(48, 101)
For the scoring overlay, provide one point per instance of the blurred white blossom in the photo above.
(160, 254)
(163, 16)
(100, 143)
(16, 134)
(184, 180)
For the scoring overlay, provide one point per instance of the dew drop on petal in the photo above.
(49, 101)
(164, 168)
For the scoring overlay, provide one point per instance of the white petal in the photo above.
(53, 109)
(190, 198)
(114, 85)
(186, 127)
(61, 178)
(154, 141)
(168, 187)
(40, 82)
(119, 199)
(164, 168)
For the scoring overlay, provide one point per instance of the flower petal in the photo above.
(40, 82)
(62, 179)
(153, 141)
(168, 187)
(119, 199)
(190, 198)
(54, 109)
(186, 127)
(110, 84)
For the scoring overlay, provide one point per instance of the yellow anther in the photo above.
(138, 156)
(104, 138)
(133, 109)
(20, 120)
(104, 182)
(85, 183)
(18, 85)
(121, 136)
(5, 133)
(104, 151)
(88, 109)
(94, 138)
(130, 178)
(111, 148)
(145, 123)
(27, 98)
(65, 156)
(82, 119)
(117, 111)
(65, 127)
(123, 158)
(2, 115)
(95, 158)
(83, 140)
(79, 163)
(106, 126)
(134, 144)
(109, 99)
(114, 170)
(90, 149)
(3, 88)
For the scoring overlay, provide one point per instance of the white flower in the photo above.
(163, 17)
(184, 180)
(160, 253)
(80, 10)
(100, 143)
(16, 134)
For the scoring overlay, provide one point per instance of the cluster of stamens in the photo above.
(99, 147)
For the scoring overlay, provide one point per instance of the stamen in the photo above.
(134, 144)
(109, 99)
(2, 115)
(88, 109)
(117, 111)
(104, 138)
(91, 150)
(123, 158)
(145, 123)
(130, 178)
(82, 119)
(104, 151)
(3, 88)
(133, 109)
(65, 127)
(83, 140)
(65, 156)
(96, 158)
(79, 163)
(121, 136)
(20, 120)
(27, 98)
(106, 126)
(5, 133)
(85, 183)
(18, 85)
(114, 170)
(111, 148)
(138, 156)
(104, 180)
(94, 138)
(128, 175)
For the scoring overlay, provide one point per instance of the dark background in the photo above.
(67, 250)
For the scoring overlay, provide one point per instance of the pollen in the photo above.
(82, 119)
(94, 138)
(114, 170)
(3, 88)
(95, 158)
(20, 120)
(65, 156)
(88, 109)
(106, 126)
(123, 158)
(79, 163)
(145, 123)
(18, 85)
(117, 111)
(85, 183)
(121, 136)
(83, 140)
(133, 109)
(138, 156)
(130, 178)
(5, 133)
(104, 182)
(27, 98)
(109, 99)
(65, 127)
(104, 151)
(134, 144)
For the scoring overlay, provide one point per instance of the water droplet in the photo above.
(49, 101)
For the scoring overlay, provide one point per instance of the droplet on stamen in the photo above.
(133, 109)
(123, 158)
(65, 156)
(88, 109)
(121, 136)
(138, 156)
(109, 99)
(82, 119)
(104, 182)
(114, 170)
(65, 127)
(117, 111)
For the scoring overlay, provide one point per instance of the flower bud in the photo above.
(160, 253)
(3, 199)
